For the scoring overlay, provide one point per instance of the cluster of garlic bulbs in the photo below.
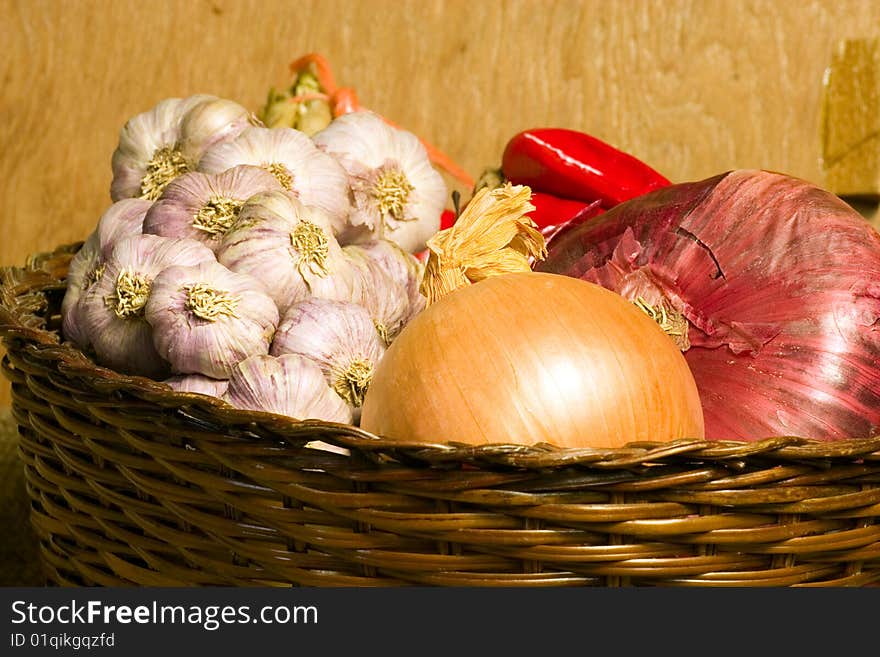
(266, 266)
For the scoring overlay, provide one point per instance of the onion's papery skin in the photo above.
(126, 344)
(787, 341)
(198, 345)
(368, 149)
(527, 358)
(334, 334)
(259, 244)
(316, 179)
(198, 383)
(287, 385)
(142, 136)
(174, 213)
(122, 219)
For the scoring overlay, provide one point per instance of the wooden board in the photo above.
(693, 87)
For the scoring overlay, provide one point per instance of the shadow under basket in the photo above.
(132, 484)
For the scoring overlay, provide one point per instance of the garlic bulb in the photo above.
(198, 383)
(384, 298)
(287, 385)
(203, 206)
(403, 268)
(149, 155)
(290, 248)
(398, 195)
(122, 219)
(212, 122)
(112, 313)
(314, 177)
(83, 271)
(206, 318)
(340, 337)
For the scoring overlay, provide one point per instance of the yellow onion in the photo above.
(523, 357)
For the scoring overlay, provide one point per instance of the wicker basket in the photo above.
(134, 484)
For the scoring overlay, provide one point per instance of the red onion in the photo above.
(779, 284)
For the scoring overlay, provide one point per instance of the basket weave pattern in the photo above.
(134, 484)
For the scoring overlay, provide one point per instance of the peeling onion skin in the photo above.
(526, 358)
(780, 283)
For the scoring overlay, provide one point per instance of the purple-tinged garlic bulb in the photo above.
(112, 313)
(290, 248)
(198, 383)
(398, 195)
(311, 175)
(389, 287)
(212, 122)
(383, 298)
(206, 318)
(122, 219)
(83, 271)
(288, 385)
(403, 268)
(158, 145)
(340, 337)
(149, 154)
(203, 206)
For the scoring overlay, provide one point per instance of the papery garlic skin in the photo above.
(204, 206)
(212, 122)
(340, 337)
(403, 268)
(397, 193)
(81, 275)
(288, 385)
(112, 313)
(122, 219)
(206, 318)
(198, 383)
(311, 175)
(290, 248)
(148, 155)
(383, 297)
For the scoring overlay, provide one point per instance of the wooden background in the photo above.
(693, 87)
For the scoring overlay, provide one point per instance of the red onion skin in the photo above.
(780, 283)
(558, 228)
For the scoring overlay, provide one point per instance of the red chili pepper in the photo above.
(551, 210)
(447, 218)
(575, 165)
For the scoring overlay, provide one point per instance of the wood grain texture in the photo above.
(693, 87)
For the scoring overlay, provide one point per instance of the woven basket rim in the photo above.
(22, 297)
